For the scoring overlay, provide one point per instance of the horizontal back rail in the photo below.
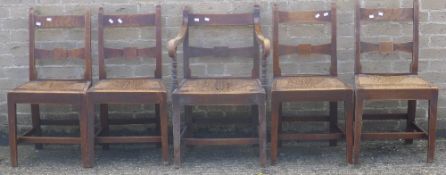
(400, 14)
(220, 19)
(130, 52)
(305, 49)
(136, 20)
(386, 47)
(305, 16)
(59, 21)
(59, 53)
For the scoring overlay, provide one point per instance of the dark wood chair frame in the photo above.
(257, 101)
(36, 98)
(159, 98)
(413, 131)
(331, 95)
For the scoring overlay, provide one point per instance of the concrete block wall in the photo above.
(14, 48)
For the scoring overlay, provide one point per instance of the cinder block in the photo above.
(438, 41)
(437, 16)
(381, 29)
(433, 5)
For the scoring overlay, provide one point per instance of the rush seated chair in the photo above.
(51, 91)
(309, 87)
(133, 90)
(220, 90)
(392, 86)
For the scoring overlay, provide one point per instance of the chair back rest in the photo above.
(37, 22)
(129, 21)
(304, 17)
(243, 19)
(393, 15)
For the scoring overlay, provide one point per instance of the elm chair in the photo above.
(134, 90)
(54, 91)
(392, 86)
(309, 87)
(195, 90)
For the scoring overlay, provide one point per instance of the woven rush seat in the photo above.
(53, 86)
(129, 85)
(392, 82)
(305, 83)
(220, 86)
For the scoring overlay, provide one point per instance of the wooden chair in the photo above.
(309, 87)
(392, 86)
(219, 91)
(38, 91)
(141, 90)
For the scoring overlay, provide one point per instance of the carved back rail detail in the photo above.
(131, 20)
(379, 15)
(37, 22)
(307, 17)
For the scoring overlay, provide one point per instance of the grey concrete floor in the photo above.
(295, 158)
